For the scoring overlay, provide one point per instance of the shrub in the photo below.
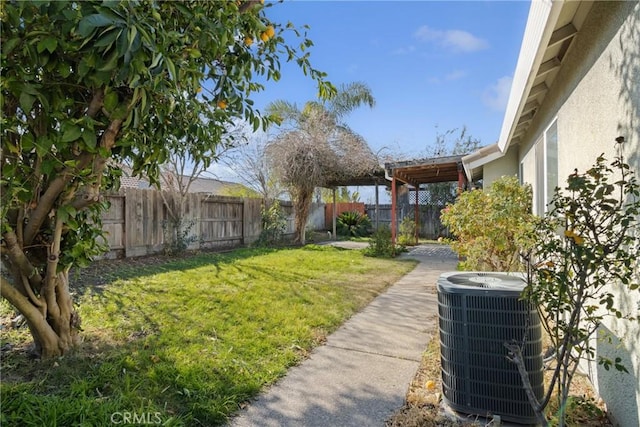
(380, 244)
(491, 227)
(274, 225)
(177, 235)
(407, 232)
(585, 247)
(353, 224)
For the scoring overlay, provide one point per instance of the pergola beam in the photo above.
(427, 171)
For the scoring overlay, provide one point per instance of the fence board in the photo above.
(252, 220)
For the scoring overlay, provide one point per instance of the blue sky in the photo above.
(432, 66)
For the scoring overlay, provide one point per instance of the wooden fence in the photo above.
(430, 225)
(137, 222)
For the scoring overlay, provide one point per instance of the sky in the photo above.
(432, 66)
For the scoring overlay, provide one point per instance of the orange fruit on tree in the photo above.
(270, 31)
(264, 36)
(222, 104)
(248, 41)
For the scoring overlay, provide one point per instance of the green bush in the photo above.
(380, 244)
(353, 224)
(491, 227)
(274, 225)
(407, 232)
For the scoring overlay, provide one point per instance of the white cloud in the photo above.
(404, 50)
(497, 95)
(457, 40)
(455, 75)
(451, 76)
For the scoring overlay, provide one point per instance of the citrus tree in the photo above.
(87, 85)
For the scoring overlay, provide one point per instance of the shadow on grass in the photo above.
(103, 272)
(101, 381)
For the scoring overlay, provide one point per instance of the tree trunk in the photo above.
(51, 317)
(302, 206)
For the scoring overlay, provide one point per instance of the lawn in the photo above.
(185, 342)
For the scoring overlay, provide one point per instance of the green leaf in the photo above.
(110, 64)
(48, 165)
(26, 101)
(89, 139)
(9, 45)
(108, 38)
(64, 69)
(89, 23)
(62, 214)
(71, 133)
(172, 69)
(111, 101)
(48, 43)
(30, 89)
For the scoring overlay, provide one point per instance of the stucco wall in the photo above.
(503, 166)
(596, 97)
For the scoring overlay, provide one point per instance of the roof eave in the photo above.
(543, 16)
(475, 160)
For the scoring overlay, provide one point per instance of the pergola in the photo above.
(424, 171)
(375, 177)
(413, 172)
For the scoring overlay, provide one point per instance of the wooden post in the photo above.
(335, 214)
(417, 213)
(462, 179)
(393, 210)
(377, 211)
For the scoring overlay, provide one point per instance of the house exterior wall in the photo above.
(595, 98)
(506, 165)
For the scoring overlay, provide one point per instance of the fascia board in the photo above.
(543, 15)
(479, 158)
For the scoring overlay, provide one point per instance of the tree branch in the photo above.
(18, 258)
(248, 4)
(518, 359)
(52, 266)
(59, 183)
(96, 103)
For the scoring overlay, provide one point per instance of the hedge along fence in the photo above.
(137, 219)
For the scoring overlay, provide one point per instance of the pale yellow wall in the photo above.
(504, 166)
(596, 97)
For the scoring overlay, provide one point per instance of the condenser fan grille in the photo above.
(487, 280)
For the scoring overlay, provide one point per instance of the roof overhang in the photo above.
(549, 33)
(473, 162)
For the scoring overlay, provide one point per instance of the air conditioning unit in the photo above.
(478, 312)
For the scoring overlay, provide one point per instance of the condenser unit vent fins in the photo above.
(478, 313)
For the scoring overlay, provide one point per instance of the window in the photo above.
(538, 191)
(546, 152)
(521, 173)
(551, 164)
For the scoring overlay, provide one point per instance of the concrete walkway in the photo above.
(362, 373)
